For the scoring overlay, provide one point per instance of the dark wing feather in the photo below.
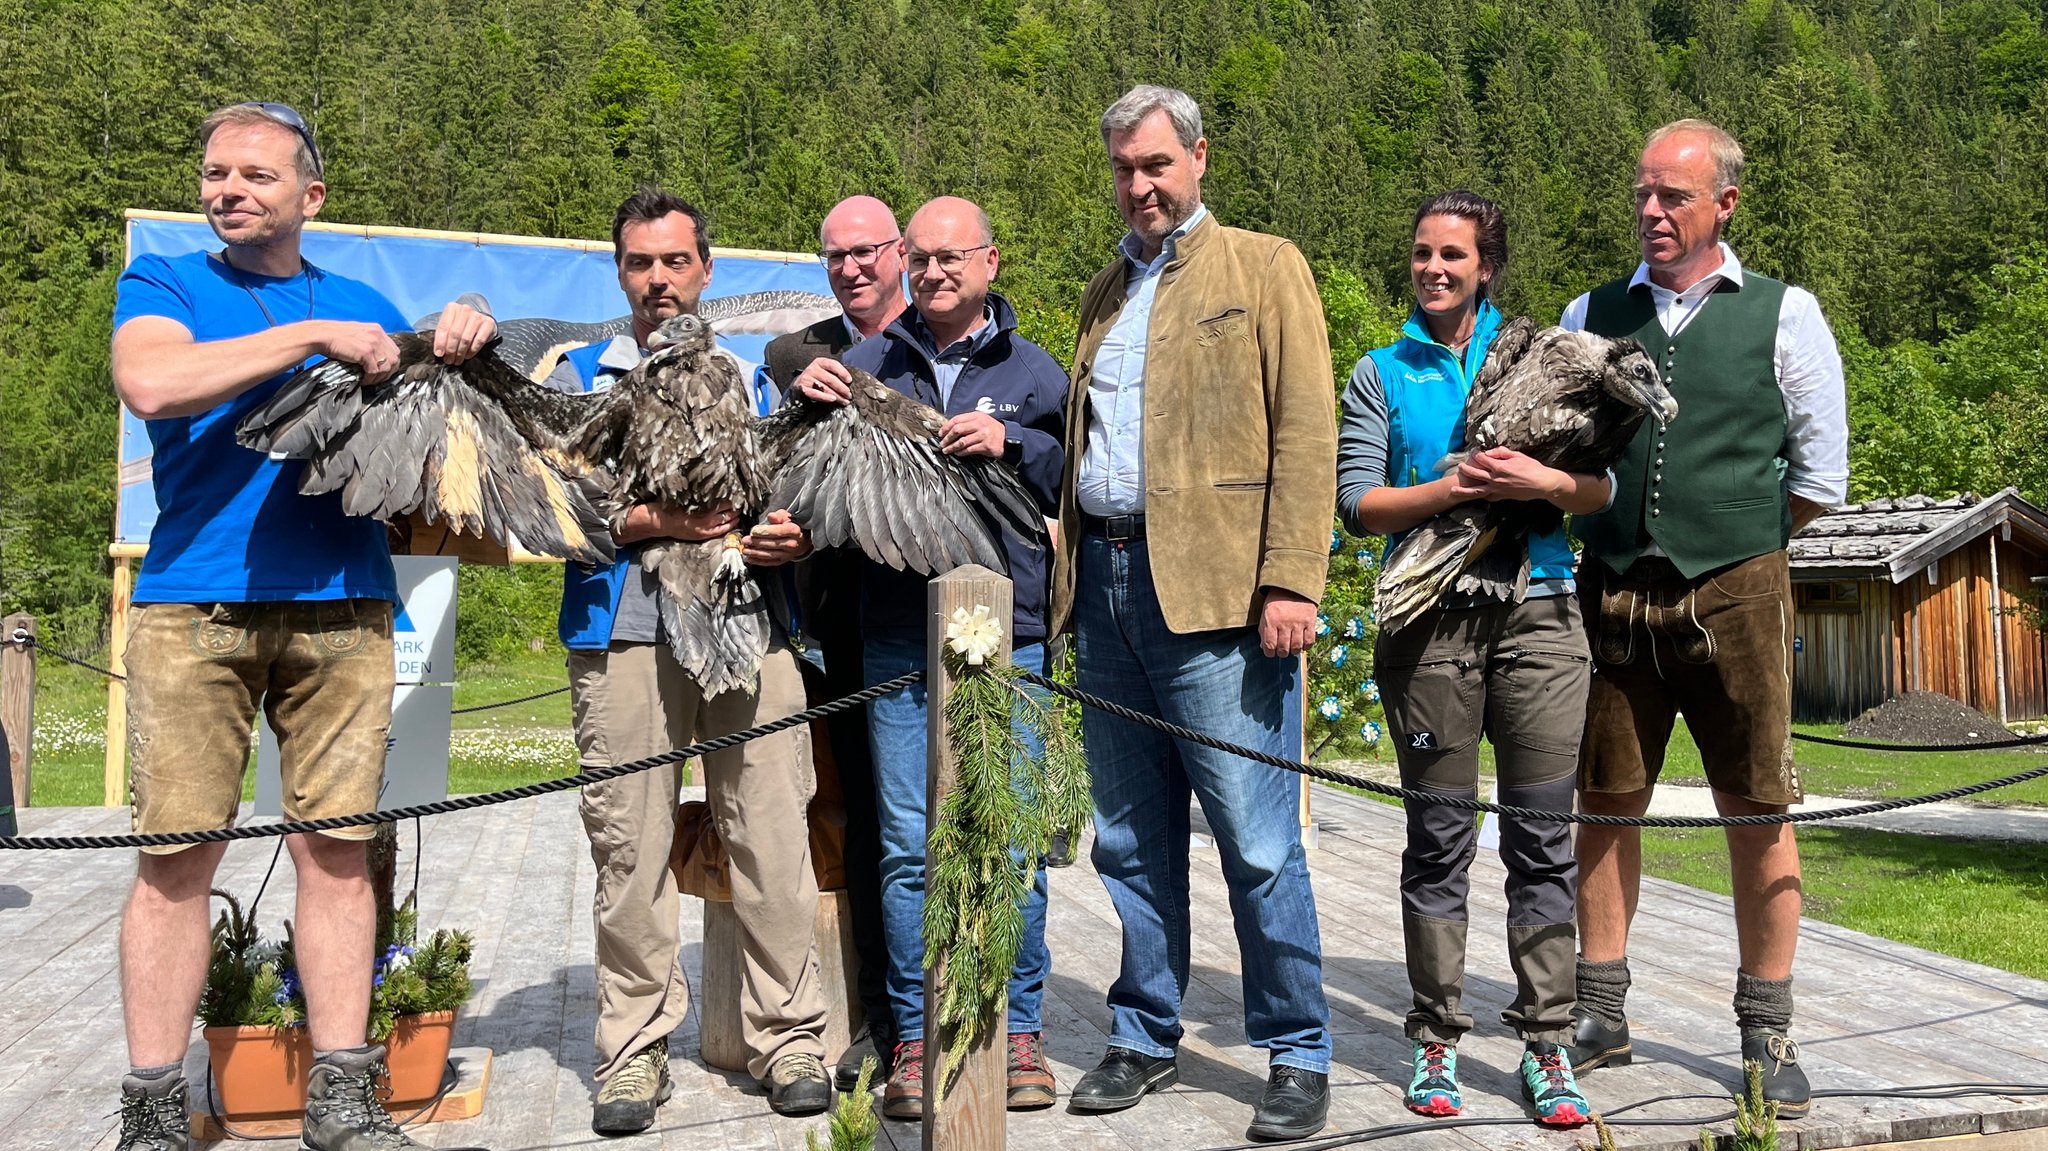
(475, 445)
(870, 472)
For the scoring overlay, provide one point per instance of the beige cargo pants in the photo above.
(635, 701)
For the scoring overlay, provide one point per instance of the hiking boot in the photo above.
(1434, 1088)
(1122, 1078)
(1031, 1083)
(1595, 1044)
(153, 1114)
(797, 1085)
(627, 1099)
(342, 1109)
(846, 1076)
(1548, 1084)
(904, 1097)
(1784, 1082)
(1295, 1106)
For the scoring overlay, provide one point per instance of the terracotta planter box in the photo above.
(259, 1073)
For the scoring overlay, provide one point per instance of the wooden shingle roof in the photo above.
(1898, 538)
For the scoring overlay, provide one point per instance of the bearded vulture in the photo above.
(1572, 400)
(679, 430)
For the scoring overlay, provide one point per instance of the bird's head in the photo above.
(684, 331)
(1631, 377)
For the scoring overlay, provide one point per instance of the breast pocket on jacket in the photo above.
(1231, 326)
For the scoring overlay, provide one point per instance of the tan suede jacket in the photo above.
(1240, 430)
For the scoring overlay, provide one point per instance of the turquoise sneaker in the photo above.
(1434, 1090)
(1547, 1083)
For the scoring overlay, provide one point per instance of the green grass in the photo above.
(490, 749)
(1985, 901)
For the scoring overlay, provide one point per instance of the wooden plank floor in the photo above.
(1872, 1015)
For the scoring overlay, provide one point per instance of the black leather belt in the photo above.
(1114, 528)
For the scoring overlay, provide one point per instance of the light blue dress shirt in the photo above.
(1112, 476)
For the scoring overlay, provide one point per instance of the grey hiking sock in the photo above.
(343, 1054)
(1603, 990)
(153, 1072)
(1762, 1004)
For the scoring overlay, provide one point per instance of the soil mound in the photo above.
(1925, 717)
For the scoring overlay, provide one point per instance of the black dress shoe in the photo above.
(1122, 1078)
(1295, 1106)
(1783, 1081)
(846, 1075)
(1595, 1044)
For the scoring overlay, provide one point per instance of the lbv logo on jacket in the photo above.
(988, 407)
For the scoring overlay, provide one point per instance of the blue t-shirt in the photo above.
(231, 525)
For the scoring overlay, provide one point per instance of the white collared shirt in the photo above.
(1111, 478)
(1809, 371)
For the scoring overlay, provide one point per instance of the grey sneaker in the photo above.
(153, 1114)
(626, 1101)
(342, 1109)
(797, 1085)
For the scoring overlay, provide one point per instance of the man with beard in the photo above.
(631, 699)
(253, 595)
(1193, 545)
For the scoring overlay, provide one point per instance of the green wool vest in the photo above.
(1710, 488)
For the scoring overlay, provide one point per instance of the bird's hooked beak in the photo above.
(674, 330)
(1642, 387)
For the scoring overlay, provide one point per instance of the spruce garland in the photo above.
(987, 838)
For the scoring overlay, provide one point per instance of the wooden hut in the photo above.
(1919, 594)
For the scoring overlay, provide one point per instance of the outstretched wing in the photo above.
(870, 473)
(476, 445)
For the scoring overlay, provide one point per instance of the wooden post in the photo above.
(114, 782)
(18, 698)
(971, 1118)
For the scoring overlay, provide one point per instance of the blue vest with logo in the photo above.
(590, 594)
(1426, 386)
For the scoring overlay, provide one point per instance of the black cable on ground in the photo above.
(1411, 795)
(463, 802)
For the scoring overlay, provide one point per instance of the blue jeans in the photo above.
(1221, 684)
(896, 734)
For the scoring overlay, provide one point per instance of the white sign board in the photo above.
(423, 650)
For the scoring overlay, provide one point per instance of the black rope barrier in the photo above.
(508, 702)
(22, 638)
(459, 803)
(1534, 815)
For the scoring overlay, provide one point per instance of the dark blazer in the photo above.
(792, 353)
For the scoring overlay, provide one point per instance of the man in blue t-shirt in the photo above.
(632, 700)
(254, 595)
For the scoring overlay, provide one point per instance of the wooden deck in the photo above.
(1872, 1014)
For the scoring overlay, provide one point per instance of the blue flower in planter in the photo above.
(287, 988)
(1370, 689)
(1330, 709)
(1338, 656)
(1370, 732)
(1322, 625)
(1354, 628)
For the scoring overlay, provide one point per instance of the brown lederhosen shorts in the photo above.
(1716, 649)
(321, 671)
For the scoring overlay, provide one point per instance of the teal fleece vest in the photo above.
(1709, 489)
(1426, 388)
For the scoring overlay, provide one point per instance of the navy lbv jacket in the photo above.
(1018, 383)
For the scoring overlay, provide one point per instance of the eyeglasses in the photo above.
(865, 255)
(289, 116)
(949, 260)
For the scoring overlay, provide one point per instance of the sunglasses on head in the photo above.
(289, 116)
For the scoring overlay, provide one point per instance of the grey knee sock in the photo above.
(1603, 990)
(1762, 1004)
